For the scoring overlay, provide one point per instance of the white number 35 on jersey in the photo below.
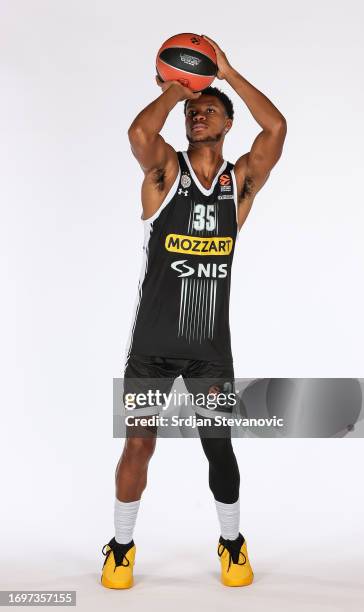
(204, 217)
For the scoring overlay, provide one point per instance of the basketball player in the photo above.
(194, 205)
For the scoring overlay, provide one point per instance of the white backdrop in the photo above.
(73, 76)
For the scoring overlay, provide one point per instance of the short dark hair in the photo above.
(214, 91)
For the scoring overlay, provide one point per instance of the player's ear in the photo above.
(228, 125)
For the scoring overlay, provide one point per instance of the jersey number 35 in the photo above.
(204, 217)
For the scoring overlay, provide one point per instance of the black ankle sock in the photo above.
(122, 547)
(239, 540)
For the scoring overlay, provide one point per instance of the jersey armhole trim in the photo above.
(236, 202)
(166, 200)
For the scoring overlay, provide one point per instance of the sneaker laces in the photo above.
(234, 549)
(119, 551)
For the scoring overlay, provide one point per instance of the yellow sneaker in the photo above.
(235, 566)
(117, 571)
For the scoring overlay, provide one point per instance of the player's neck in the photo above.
(205, 159)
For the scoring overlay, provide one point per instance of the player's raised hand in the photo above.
(223, 64)
(184, 92)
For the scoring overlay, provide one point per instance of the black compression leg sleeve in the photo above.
(224, 477)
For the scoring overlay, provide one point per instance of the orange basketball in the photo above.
(189, 59)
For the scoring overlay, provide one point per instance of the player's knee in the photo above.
(218, 450)
(139, 449)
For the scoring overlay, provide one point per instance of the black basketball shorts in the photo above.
(209, 383)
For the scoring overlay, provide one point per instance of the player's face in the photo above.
(206, 120)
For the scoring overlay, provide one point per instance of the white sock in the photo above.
(125, 514)
(229, 519)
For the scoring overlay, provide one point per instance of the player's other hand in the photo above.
(184, 93)
(223, 65)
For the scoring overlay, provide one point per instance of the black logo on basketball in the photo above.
(195, 40)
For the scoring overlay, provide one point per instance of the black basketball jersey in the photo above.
(182, 307)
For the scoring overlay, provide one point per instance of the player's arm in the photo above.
(253, 168)
(148, 146)
(157, 158)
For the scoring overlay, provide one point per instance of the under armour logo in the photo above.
(195, 40)
(184, 191)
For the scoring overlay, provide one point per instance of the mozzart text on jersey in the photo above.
(178, 243)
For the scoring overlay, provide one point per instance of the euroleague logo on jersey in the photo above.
(224, 179)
